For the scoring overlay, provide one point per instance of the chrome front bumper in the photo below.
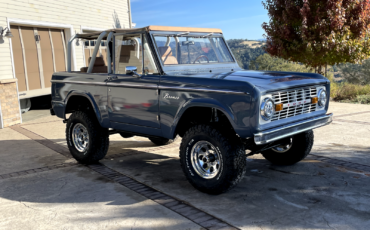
(281, 132)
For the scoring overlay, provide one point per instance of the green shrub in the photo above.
(362, 99)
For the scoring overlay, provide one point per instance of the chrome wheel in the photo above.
(205, 159)
(284, 147)
(80, 137)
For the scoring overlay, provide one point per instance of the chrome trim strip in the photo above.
(327, 117)
(151, 86)
(201, 90)
(129, 85)
(79, 82)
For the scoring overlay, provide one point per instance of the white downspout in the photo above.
(129, 13)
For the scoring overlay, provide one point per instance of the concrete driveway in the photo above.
(141, 186)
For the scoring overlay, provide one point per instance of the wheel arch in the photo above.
(204, 103)
(74, 98)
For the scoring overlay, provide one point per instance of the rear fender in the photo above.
(88, 96)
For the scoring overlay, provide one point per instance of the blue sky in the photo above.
(237, 18)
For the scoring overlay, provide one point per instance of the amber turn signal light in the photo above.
(278, 107)
(314, 100)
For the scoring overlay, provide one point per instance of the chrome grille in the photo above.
(291, 96)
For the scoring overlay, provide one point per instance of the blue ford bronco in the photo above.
(162, 82)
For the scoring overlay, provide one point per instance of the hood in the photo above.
(272, 81)
(266, 81)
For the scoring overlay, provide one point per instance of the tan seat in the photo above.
(167, 56)
(99, 66)
(128, 58)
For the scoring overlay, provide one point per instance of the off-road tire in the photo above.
(98, 144)
(161, 141)
(301, 146)
(231, 150)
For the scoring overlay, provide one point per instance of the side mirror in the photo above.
(131, 70)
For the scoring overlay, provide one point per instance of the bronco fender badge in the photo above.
(170, 97)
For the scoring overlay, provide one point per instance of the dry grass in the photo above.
(250, 44)
(350, 92)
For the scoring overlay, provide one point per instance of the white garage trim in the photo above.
(64, 47)
(24, 59)
(52, 48)
(39, 56)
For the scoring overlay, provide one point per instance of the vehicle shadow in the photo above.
(269, 196)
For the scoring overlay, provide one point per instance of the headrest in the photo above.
(165, 51)
(126, 49)
(99, 61)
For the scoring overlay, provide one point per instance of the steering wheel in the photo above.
(201, 56)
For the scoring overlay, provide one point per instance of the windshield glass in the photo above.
(192, 50)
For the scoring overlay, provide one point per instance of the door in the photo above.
(38, 53)
(133, 99)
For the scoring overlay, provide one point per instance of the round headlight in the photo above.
(322, 98)
(267, 109)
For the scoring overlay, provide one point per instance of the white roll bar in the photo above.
(177, 47)
(96, 49)
(69, 53)
(137, 51)
(168, 41)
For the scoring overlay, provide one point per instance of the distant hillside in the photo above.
(246, 51)
(253, 44)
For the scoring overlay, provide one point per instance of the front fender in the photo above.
(209, 103)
